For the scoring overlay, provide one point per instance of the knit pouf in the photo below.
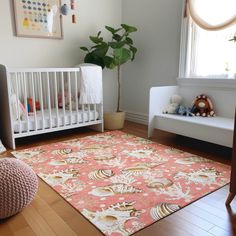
(18, 186)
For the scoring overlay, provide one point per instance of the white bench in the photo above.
(218, 130)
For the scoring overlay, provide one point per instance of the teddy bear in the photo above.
(175, 101)
(202, 106)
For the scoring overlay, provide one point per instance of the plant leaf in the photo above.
(109, 62)
(84, 49)
(133, 50)
(92, 58)
(112, 30)
(129, 41)
(101, 50)
(128, 28)
(121, 55)
(117, 37)
(119, 44)
(96, 39)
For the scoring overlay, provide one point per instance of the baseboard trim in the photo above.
(137, 117)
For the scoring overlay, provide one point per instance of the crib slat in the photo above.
(34, 100)
(41, 99)
(18, 101)
(63, 97)
(49, 100)
(56, 98)
(95, 109)
(83, 110)
(25, 101)
(76, 98)
(89, 112)
(70, 102)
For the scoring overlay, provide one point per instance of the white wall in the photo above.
(27, 52)
(157, 61)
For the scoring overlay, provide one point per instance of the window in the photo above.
(209, 53)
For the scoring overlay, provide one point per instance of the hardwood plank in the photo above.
(58, 225)
(17, 222)
(212, 210)
(176, 221)
(36, 222)
(5, 229)
(215, 220)
(195, 220)
(220, 232)
(26, 231)
(163, 228)
(74, 219)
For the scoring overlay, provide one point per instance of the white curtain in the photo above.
(212, 15)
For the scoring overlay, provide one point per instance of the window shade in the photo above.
(212, 14)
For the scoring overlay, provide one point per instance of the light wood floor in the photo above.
(49, 214)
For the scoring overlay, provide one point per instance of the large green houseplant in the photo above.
(112, 54)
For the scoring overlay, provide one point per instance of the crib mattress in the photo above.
(62, 120)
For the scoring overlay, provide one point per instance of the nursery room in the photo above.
(118, 117)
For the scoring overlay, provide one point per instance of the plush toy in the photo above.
(31, 106)
(175, 101)
(184, 111)
(202, 106)
(67, 101)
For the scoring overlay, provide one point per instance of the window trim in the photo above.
(185, 52)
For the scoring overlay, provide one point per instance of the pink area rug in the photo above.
(122, 183)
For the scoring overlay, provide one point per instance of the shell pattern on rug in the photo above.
(163, 209)
(113, 218)
(100, 174)
(192, 160)
(63, 151)
(159, 183)
(139, 168)
(204, 176)
(67, 161)
(114, 189)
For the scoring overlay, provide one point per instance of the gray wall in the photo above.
(158, 43)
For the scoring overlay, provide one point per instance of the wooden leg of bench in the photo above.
(230, 198)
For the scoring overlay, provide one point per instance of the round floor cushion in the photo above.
(18, 186)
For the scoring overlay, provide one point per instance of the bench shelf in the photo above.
(218, 130)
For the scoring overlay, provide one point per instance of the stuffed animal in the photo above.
(202, 106)
(67, 101)
(175, 101)
(31, 106)
(184, 111)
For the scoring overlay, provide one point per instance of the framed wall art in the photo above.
(38, 18)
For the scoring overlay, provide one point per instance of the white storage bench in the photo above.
(218, 130)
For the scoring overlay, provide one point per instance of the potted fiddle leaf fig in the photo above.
(112, 54)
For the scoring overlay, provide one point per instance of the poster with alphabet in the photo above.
(38, 18)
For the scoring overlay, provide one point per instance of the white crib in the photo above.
(36, 101)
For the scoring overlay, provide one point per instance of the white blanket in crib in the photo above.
(91, 84)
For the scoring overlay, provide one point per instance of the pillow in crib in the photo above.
(17, 112)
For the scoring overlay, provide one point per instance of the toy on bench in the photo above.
(202, 106)
(175, 107)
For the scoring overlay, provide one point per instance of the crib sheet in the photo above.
(70, 118)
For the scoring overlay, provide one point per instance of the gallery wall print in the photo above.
(38, 18)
